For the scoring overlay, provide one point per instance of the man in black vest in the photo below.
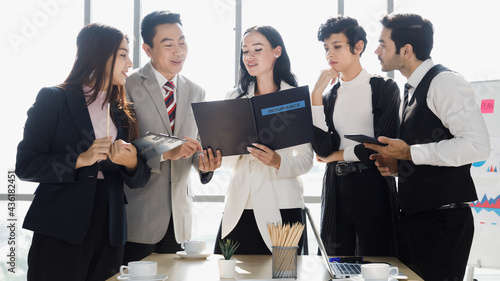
(442, 132)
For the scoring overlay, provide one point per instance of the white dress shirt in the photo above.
(262, 188)
(162, 80)
(451, 98)
(352, 115)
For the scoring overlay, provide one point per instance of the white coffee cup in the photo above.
(194, 247)
(378, 271)
(139, 269)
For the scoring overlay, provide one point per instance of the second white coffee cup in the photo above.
(378, 271)
(139, 269)
(194, 247)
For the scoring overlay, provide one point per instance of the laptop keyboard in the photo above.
(346, 268)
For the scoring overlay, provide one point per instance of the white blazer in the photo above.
(264, 189)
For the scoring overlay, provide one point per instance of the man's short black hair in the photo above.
(152, 20)
(411, 29)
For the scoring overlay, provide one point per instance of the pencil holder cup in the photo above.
(284, 262)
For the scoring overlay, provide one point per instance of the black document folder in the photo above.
(276, 120)
(153, 144)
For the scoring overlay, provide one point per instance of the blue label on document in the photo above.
(283, 108)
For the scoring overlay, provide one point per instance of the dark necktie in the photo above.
(170, 102)
(405, 100)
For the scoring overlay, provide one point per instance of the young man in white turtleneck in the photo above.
(359, 205)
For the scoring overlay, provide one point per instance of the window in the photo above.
(463, 39)
(39, 48)
(209, 31)
(117, 13)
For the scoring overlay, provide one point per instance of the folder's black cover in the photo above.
(154, 144)
(277, 120)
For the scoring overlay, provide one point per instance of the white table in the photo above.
(310, 267)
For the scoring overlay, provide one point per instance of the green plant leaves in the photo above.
(228, 248)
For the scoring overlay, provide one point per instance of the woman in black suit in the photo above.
(358, 204)
(74, 146)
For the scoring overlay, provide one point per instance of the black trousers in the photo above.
(358, 214)
(436, 244)
(167, 245)
(94, 259)
(247, 233)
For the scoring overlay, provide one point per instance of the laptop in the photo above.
(337, 269)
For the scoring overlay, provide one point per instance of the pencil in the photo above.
(107, 123)
(284, 236)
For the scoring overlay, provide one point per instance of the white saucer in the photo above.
(183, 254)
(157, 277)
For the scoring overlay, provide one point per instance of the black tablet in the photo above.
(364, 139)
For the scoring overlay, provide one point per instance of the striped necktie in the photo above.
(405, 100)
(170, 102)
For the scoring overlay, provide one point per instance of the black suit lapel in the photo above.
(79, 112)
(329, 103)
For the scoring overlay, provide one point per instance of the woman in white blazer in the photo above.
(265, 186)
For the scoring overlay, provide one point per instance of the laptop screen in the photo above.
(320, 243)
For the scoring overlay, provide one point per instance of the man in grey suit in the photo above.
(160, 215)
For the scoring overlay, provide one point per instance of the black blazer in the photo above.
(57, 130)
(385, 104)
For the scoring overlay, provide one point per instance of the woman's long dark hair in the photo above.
(96, 43)
(282, 68)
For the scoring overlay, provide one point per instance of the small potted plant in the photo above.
(227, 265)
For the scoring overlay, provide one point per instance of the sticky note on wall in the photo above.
(487, 106)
